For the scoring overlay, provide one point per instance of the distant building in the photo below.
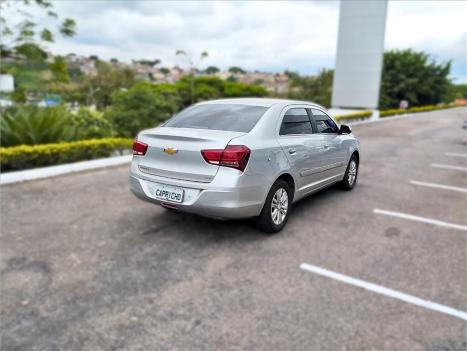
(274, 82)
(85, 65)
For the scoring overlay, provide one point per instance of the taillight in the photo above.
(139, 148)
(233, 156)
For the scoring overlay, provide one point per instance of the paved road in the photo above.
(86, 266)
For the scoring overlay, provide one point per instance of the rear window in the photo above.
(233, 117)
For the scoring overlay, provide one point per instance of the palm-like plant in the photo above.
(32, 125)
(193, 66)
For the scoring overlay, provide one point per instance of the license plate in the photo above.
(169, 193)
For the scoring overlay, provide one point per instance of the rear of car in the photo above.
(198, 162)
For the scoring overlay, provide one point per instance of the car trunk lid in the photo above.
(176, 152)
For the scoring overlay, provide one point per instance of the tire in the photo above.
(272, 220)
(351, 174)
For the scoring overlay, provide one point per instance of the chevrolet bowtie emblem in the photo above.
(170, 150)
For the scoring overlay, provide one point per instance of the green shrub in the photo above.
(32, 125)
(30, 156)
(393, 112)
(237, 89)
(204, 88)
(91, 124)
(146, 105)
(142, 106)
(317, 88)
(430, 108)
(208, 88)
(352, 116)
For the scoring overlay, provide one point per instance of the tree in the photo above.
(26, 39)
(312, 88)
(232, 78)
(59, 70)
(142, 106)
(150, 63)
(194, 89)
(164, 70)
(415, 77)
(208, 88)
(60, 83)
(459, 91)
(212, 70)
(98, 89)
(291, 74)
(236, 89)
(236, 70)
(192, 65)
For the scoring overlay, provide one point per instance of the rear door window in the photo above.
(296, 121)
(324, 123)
(228, 117)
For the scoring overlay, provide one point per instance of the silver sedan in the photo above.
(237, 158)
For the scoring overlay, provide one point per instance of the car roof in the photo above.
(266, 102)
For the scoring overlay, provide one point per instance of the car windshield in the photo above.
(228, 117)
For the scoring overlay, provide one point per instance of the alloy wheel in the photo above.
(352, 174)
(279, 206)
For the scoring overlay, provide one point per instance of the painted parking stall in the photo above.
(441, 224)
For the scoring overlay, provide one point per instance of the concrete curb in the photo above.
(53, 171)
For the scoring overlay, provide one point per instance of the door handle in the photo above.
(327, 146)
(292, 151)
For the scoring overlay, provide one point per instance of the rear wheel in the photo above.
(351, 174)
(276, 208)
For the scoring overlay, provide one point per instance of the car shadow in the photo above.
(186, 226)
(317, 198)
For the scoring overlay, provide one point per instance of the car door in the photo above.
(333, 150)
(300, 144)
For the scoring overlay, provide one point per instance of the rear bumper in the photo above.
(205, 199)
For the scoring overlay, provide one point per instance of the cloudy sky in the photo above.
(269, 36)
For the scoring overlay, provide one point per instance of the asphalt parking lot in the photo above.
(86, 266)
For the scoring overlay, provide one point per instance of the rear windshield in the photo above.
(234, 117)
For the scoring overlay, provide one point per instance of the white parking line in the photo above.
(420, 219)
(439, 186)
(385, 291)
(454, 154)
(454, 168)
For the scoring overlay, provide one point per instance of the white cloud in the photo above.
(255, 35)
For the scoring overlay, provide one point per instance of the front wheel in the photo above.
(276, 208)
(351, 174)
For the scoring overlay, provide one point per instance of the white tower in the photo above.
(359, 59)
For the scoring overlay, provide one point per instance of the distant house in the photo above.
(84, 64)
(273, 82)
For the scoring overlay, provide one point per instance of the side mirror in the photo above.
(344, 129)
